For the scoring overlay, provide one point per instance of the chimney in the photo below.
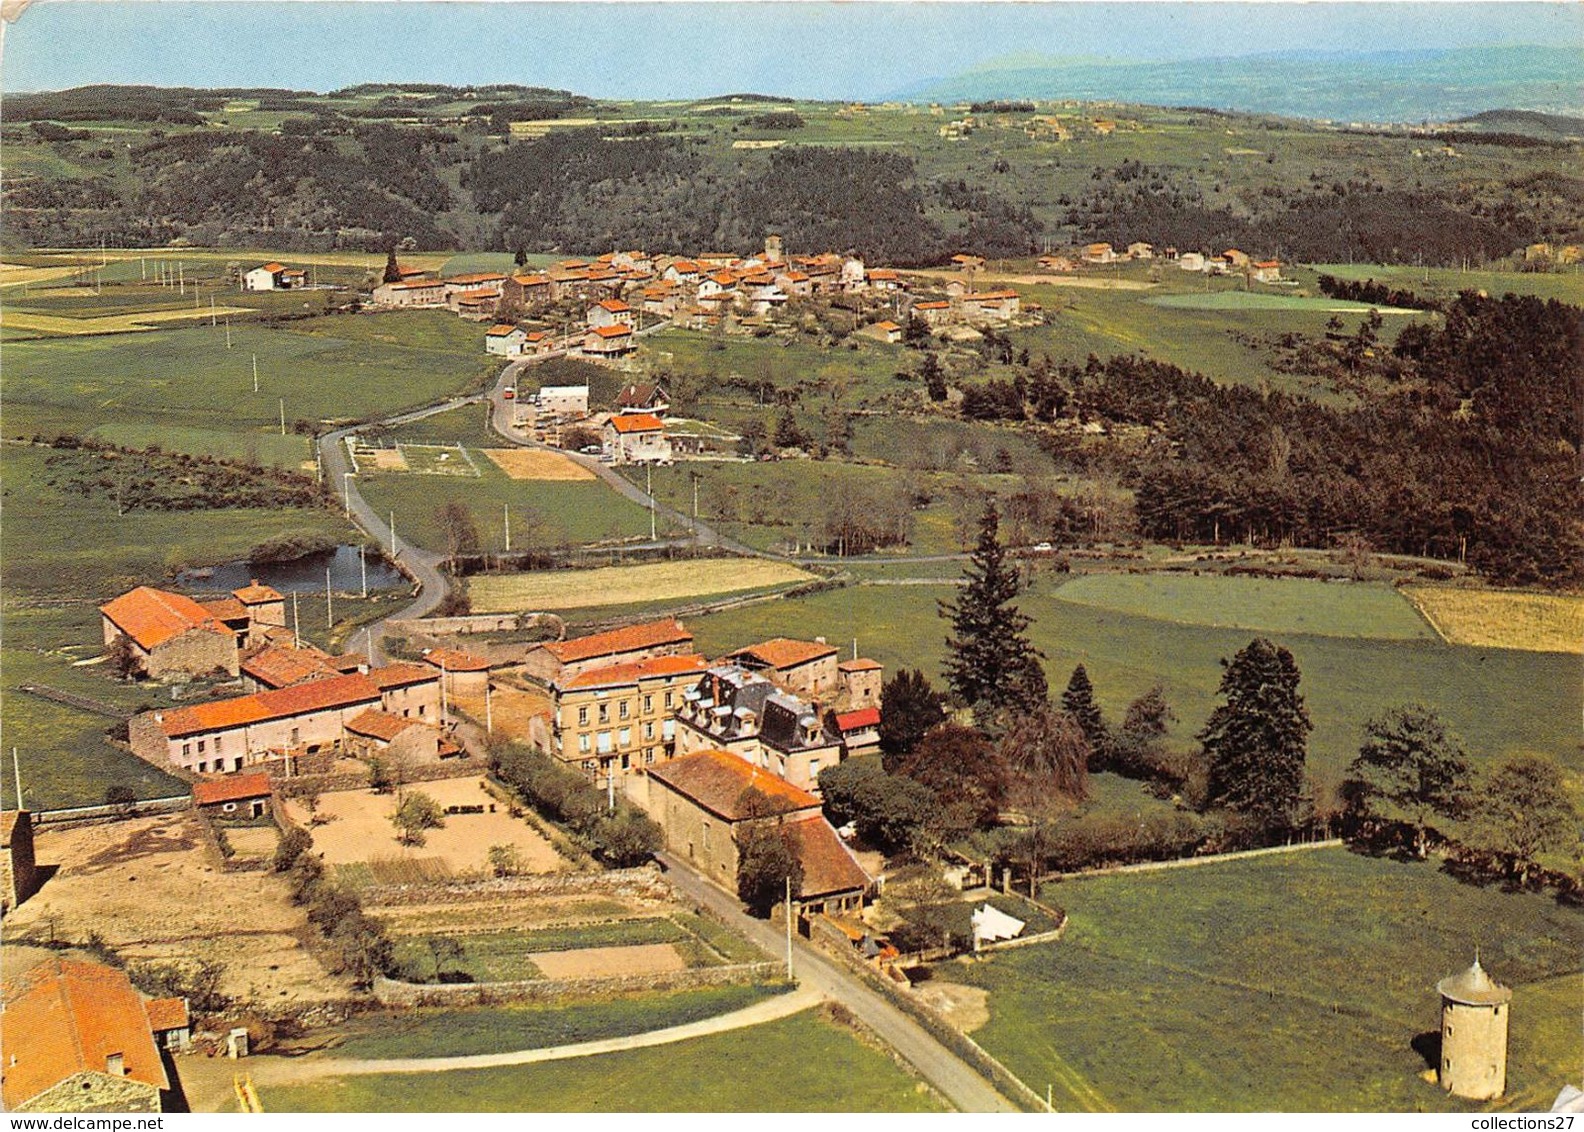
(819, 640)
(115, 1065)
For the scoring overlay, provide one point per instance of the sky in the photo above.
(806, 49)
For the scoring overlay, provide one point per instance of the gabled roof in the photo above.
(415, 284)
(535, 280)
(226, 609)
(272, 267)
(888, 326)
(636, 422)
(614, 306)
(861, 664)
(151, 617)
(476, 277)
(631, 672)
(64, 1017)
(828, 865)
(381, 725)
(991, 296)
(167, 1014)
(629, 638)
(503, 330)
(857, 720)
(883, 274)
(1267, 263)
(933, 305)
(232, 788)
(620, 330)
(784, 652)
(315, 695)
(401, 674)
(455, 660)
(277, 667)
(255, 594)
(721, 782)
(478, 295)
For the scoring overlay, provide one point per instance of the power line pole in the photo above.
(789, 926)
(363, 568)
(506, 509)
(329, 603)
(16, 769)
(255, 358)
(296, 625)
(283, 416)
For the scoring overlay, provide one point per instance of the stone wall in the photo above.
(644, 883)
(95, 1092)
(394, 993)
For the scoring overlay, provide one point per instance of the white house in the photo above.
(1265, 271)
(1191, 261)
(635, 438)
(505, 339)
(269, 277)
(610, 312)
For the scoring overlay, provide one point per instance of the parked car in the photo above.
(590, 450)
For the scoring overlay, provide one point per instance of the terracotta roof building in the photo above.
(557, 661)
(235, 795)
(169, 634)
(807, 667)
(618, 719)
(706, 802)
(78, 1038)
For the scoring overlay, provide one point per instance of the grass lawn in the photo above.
(1293, 983)
(1266, 301)
(1502, 702)
(657, 582)
(460, 1033)
(785, 363)
(1266, 605)
(1566, 286)
(544, 512)
(816, 1066)
(344, 367)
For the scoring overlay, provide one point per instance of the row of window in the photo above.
(601, 741)
(626, 760)
(623, 708)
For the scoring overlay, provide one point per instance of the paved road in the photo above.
(958, 1082)
(277, 1071)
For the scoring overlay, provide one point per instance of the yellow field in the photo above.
(536, 464)
(109, 324)
(15, 275)
(623, 585)
(1503, 619)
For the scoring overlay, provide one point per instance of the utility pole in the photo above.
(368, 643)
(283, 416)
(489, 717)
(228, 332)
(296, 626)
(610, 784)
(329, 602)
(211, 308)
(181, 277)
(255, 358)
(363, 569)
(649, 490)
(506, 510)
(789, 926)
(16, 769)
(393, 533)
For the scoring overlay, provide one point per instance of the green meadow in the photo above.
(1301, 982)
(817, 1066)
(1502, 702)
(338, 368)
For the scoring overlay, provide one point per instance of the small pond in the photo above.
(300, 575)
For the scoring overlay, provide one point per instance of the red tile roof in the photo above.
(828, 865)
(167, 1014)
(400, 675)
(862, 664)
(629, 638)
(614, 306)
(887, 326)
(226, 609)
(232, 788)
(631, 672)
(883, 274)
(857, 720)
(935, 305)
(720, 782)
(455, 660)
(636, 422)
(477, 296)
(531, 280)
(991, 296)
(65, 1017)
(415, 285)
(151, 617)
(256, 594)
(277, 667)
(380, 725)
(272, 268)
(476, 277)
(501, 330)
(620, 330)
(784, 652)
(315, 695)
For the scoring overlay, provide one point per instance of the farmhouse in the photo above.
(276, 666)
(376, 732)
(886, 331)
(235, 795)
(860, 680)
(226, 735)
(461, 673)
(997, 306)
(1099, 253)
(558, 661)
(617, 718)
(742, 712)
(526, 290)
(1234, 258)
(273, 277)
(505, 340)
(635, 438)
(410, 293)
(644, 397)
(707, 802)
(78, 1037)
(1265, 271)
(934, 313)
(169, 634)
(884, 279)
(609, 312)
(1054, 262)
(19, 876)
(1191, 261)
(808, 667)
(609, 341)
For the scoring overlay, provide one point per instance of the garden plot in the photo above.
(438, 460)
(537, 464)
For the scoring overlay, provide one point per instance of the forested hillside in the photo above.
(513, 167)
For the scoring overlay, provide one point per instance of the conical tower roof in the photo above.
(1474, 987)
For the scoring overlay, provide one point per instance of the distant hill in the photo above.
(1551, 127)
(1381, 87)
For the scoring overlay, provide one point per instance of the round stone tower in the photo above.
(1474, 1034)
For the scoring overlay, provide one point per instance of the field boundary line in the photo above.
(769, 1010)
(1413, 600)
(462, 448)
(1194, 862)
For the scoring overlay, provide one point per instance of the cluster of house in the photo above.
(1232, 261)
(711, 748)
(274, 277)
(298, 701)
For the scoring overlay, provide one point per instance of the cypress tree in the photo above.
(1257, 741)
(990, 664)
(1079, 702)
(392, 270)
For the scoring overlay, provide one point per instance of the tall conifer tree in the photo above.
(990, 664)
